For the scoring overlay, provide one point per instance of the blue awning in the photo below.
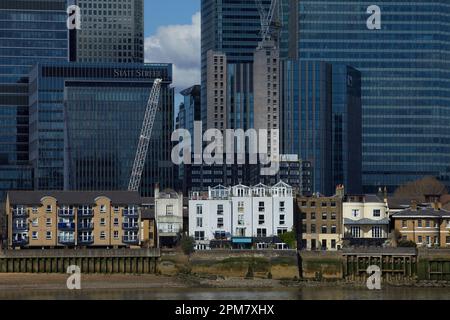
(242, 240)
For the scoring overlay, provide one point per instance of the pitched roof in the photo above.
(73, 197)
(422, 212)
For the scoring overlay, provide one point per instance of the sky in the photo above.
(172, 34)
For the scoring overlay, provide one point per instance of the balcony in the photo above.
(66, 226)
(86, 240)
(130, 226)
(66, 240)
(21, 242)
(20, 213)
(66, 212)
(130, 239)
(130, 213)
(85, 226)
(20, 227)
(88, 213)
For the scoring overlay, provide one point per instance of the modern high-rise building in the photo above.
(111, 31)
(30, 32)
(322, 121)
(85, 123)
(405, 70)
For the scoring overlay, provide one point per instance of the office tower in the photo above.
(322, 121)
(30, 32)
(347, 128)
(86, 121)
(230, 27)
(216, 94)
(266, 91)
(189, 113)
(111, 31)
(405, 69)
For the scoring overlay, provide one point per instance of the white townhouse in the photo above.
(169, 216)
(241, 216)
(366, 220)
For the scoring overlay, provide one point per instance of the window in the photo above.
(282, 206)
(241, 219)
(103, 222)
(404, 223)
(116, 208)
(261, 233)
(261, 219)
(313, 204)
(34, 235)
(304, 228)
(103, 235)
(282, 219)
(219, 223)
(116, 235)
(324, 216)
(356, 232)
(48, 235)
(261, 207)
(313, 216)
(303, 203)
(220, 210)
(427, 224)
(199, 209)
(49, 208)
(377, 232)
(428, 240)
(376, 213)
(34, 210)
(419, 223)
(169, 210)
(281, 231)
(333, 204)
(324, 204)
(333, 216)
(313, 228)
(102, 208)
(199, 235)
(199, 222)
(240, 206)
(419, 239)
(35, 222)
(447, 240)
(116, 222)
(355, 213)
(324, 229)
(333, 244)
(333, 229)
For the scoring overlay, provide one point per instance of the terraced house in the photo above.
(46, 219)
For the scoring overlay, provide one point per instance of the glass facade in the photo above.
(30, 32)
(85, 125)
(321, 110)
(405, 68)
(111, 31)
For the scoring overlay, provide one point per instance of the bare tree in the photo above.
(417, 190)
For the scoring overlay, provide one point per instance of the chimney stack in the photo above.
(413, 205)
(156, 190)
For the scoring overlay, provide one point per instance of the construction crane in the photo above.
(267, 18)
(146, 135)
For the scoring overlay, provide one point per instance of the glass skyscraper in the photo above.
(321, 121)
(86, 120)
(30, 32)
(405, 68)
(111, 31)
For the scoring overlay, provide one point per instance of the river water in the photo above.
(321, 293)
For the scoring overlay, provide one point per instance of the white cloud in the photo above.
(180, 45)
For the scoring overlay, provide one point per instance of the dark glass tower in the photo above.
(30, 32)
(405, 68)
(322, 122)
(85, 125)
(111, 31)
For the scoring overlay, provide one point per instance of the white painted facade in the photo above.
(168, 213)
(241, 213)
(365, 217)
